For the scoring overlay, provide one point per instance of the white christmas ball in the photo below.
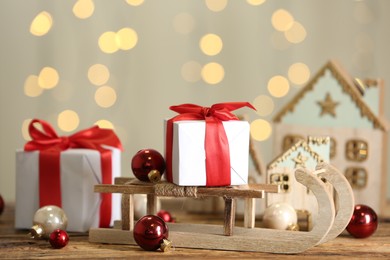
(46, 220)
(280, 216)
(140, 201)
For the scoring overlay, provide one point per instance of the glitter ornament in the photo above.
(58, 239)
(363, 223)
(148, 165)
(46, 220)
(151, 233)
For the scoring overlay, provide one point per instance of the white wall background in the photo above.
(147, 79)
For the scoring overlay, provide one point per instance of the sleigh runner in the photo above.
(330, 223)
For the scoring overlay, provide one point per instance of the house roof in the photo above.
(305, 146)
(348, 86)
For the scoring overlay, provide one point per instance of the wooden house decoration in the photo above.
(303, 154)
(350, 112)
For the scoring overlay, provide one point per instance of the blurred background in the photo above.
(121, 64)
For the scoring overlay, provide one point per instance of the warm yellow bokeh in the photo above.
(25, 133)
(282, 20)
(31, 86)
(299, 73)
(183, 23)
(264, 105)
(98, 74)
(68, 120)
(126, 38)
(105, 96)
(41, 24)
(211, 44)
(260, 129)
(104, 124)
(256, 2)
(296, 34)
(108, 42)
(212, 73)
(191, 71)
(48, 78)
(83, 9)
(278, 86)
(135, 2)
(216, 5)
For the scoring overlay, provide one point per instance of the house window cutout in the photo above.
(290, 140)
(357, 177)
(356, 150)
(282, 180)
(332, 147)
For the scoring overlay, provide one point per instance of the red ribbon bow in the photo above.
(50, 146)
(216, 142)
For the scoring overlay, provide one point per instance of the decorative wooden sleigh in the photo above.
(330, 223)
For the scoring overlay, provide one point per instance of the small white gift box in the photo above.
(79, 170)
(189, 156)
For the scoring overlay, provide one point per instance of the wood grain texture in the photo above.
(249, 212)
(127, 209)
(14, 244)
(122, 180)
(345, 199)
(229, 216)
(151, 204)
(244, 239)
(242, 191)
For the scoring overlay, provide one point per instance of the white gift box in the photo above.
(189, 157)
(80, 171)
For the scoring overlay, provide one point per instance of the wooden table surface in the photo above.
(15, 244)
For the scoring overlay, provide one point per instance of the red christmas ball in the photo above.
(1, 205)
(58, 238)
(165, 215)
(148, 165)
(363, 223)
(151, 233)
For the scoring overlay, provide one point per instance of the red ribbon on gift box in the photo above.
(51, 145)
(216, 142)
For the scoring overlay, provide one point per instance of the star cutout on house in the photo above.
(328, 106)
(300, 160)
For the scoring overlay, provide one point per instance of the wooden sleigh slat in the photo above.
(129, 187)
(242, 191)
(204, 236)
(344, 196)
(330, 222)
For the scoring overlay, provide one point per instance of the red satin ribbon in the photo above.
(216, 142)
(50, 146)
